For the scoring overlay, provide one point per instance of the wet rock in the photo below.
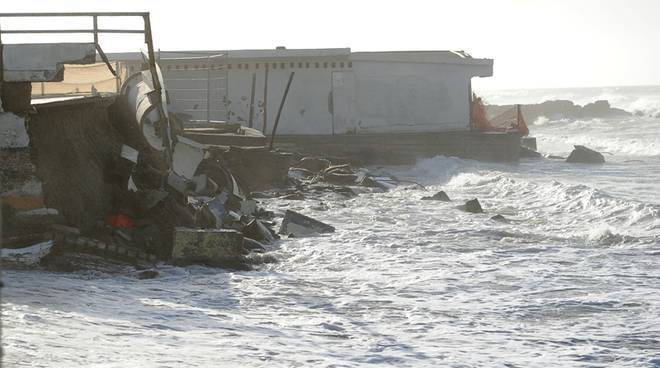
(299, 225)
(585, 155)
(147, 274)
(499, 218)
(313, 164)
(472, 206)
(440, 196)
(555, 157)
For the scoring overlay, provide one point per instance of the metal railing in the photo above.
(95, 30)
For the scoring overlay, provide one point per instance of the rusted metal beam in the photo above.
(279, 111)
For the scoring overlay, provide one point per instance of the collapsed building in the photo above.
(112, 172)
(99, 156)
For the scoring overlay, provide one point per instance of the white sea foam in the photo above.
(569, 278)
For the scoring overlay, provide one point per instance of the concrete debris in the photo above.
(212, 247)
(299, 225)
(27, 257)
(585, 155)
(313, 164)
(472, 206)
(255, 229)
(12, 131)
(440, 196)
(129, 153)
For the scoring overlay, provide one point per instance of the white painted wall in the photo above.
(373, 92)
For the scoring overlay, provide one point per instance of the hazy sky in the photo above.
(535, 43)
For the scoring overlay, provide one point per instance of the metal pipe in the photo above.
(208, 89)
(254, 81)
(263, 128)
(279, 111)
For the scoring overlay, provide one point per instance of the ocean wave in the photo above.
(559, 205)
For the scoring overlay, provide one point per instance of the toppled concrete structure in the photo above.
(114, 172)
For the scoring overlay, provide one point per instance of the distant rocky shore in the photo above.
(562, 109)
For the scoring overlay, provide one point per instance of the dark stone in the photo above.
(499, 218)
(473, 206)
(147, 274)
(555, 157)
(440, 196)
(585, 155)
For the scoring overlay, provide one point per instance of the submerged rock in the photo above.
(440, 196)
(499, 218)
(147, 274)
(585, 155)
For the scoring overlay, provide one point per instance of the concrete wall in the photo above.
(359, 93)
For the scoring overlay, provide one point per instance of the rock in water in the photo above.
(499, 218)
(473, 206)
(300, 225)
(440, 196)
(147, 274)
(585, 155)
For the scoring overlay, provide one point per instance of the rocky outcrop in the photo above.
(562, 109)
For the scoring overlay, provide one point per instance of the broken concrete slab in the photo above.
(299, 225)
(582, 154)
(256, 230)
(43, 62)
(212, 247)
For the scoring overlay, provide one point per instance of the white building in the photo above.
(334, 91)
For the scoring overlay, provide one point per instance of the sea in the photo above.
(570, 278)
